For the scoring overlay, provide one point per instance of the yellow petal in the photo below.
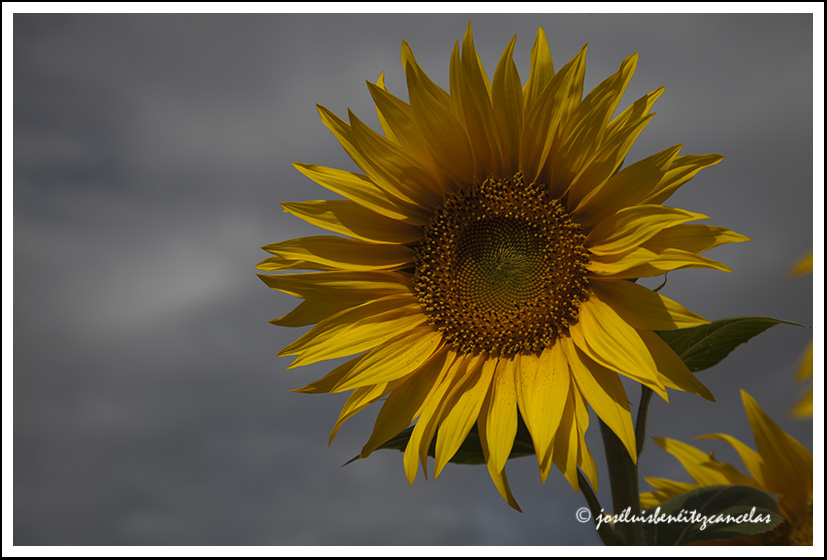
(642, 308)
(634, 112)
(647, 263)
(584, 457)
(339, 286)
(497, 476)
(603, 390)
(751, 459)
(695, 238)
(463, 413)
(383, 122)
(674, 259)
(804, 266)
(400, 120)
(606, 160)
(393, 168)
(393, 359)
(618, 266)
(628, 187)
(729, 472)
(384, 163)
(707, 470)
(326, 383)
(651, 499)
(697, 463)
(499, 413)
(462, 377)
(311, 312)
(805, 370)
(405, 402)
(670, 486)
(358, 400)
(356, 329)
(472, 60)
(507, 99)
(541, 70)
(542, 389)
(619, 136)
(366, 152)
(667, 489)
(565, 446)
(611, 342)
(673, 373)
(448, 144)
(364, 192)
(471, 98)
(588, 123)
(546, 117)
(348, 218)
(277, 263)
(586, 462)
(436, 92)
(629, 227)
(683, 168)
(788, 464)
(343, 253)
(430, 415)
(407, 122)
(804, 407)
(581, 409)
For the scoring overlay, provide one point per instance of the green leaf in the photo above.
(704, 346)
(470, 452)
(751, 511)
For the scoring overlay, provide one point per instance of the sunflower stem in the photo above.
(609, 536)
(640, 424)
(623, 479)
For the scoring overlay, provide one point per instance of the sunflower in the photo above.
(804, 407)
(781, 465)
(481, 271)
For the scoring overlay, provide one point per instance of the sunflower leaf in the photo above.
(704, 346)
(470, 452)
(711, 513)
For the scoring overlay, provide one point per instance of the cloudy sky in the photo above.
(150, 156)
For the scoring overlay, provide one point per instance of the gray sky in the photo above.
(150, 155)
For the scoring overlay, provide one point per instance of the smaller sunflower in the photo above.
(781, 465)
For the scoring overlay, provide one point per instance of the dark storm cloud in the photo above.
(150, 155)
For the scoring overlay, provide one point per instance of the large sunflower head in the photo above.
(483, 263)
(779, 464)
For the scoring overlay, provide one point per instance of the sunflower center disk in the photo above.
(502, 269)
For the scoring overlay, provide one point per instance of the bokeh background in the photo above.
(150, 155)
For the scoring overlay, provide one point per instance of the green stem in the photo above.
(642, 411)
(623, 478)
(609, 536)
